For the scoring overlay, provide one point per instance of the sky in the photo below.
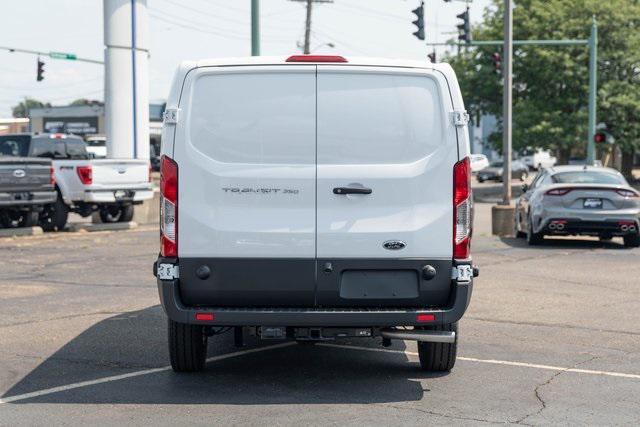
(196, 29)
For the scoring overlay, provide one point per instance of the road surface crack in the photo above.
(538, 395)
(440, 414)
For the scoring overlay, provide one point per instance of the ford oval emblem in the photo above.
(19, 173)
(394, 245)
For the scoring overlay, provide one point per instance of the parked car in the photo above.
(84, 185)
(26, 183)
(478, 162)
(579, 200)
(539, 159)
(308, 198)
(97, 146)
(494, 172)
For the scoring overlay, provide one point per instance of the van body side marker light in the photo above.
(424, 318)
(316, 58)
(204, 317)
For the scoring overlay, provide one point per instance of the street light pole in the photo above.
(593, 82)
(255, 27)
(507, 102)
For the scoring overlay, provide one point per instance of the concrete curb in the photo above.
(112, 226)
(20, 231)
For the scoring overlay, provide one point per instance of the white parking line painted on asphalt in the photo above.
(496, 362)
(58, 389)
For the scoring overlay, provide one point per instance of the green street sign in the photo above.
(63, 55)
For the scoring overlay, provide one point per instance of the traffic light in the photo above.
(497, 62)
(600, 137)
(419, 22)
(40, 75)
(464, 27)
(432, 57)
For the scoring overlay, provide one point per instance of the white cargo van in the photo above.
(315, 197)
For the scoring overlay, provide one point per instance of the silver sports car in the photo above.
(572, 200)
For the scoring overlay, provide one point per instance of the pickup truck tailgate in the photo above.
(25, 174)
(120, 171)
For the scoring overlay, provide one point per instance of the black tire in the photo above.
(16, 218)
(187, 347)
(54, 217)
(533, 238)
(480, 180)
(29, 219)
(437, 356)
(632, 240)
(519, 234)
(116, 213)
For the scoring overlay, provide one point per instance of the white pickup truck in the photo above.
(110, 186)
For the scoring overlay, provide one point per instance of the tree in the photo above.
(551, 83)
(84, 101)
(22, 109)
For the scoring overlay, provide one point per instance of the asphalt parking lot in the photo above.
(552, 337)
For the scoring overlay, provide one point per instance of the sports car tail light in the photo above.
(85, 173)
(168, 207)
(558, 191)
(627, 193)
(462, 209)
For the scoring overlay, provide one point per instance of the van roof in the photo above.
(280, 60)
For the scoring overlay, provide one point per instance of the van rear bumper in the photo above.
(307, 316)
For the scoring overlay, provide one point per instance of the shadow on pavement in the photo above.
(565, 242)
(289, 375)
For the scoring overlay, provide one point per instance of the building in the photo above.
(14, 125)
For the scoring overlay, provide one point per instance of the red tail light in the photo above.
(168, 207)
(85, 173)
(627, 193)
(316, 58)
(558, 191)
(462, 209)
(52, 176)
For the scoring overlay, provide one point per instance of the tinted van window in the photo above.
(76, 149)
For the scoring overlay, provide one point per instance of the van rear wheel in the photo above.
(437, 356)
(187, 347)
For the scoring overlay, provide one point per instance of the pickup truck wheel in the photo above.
(187, 347)
(54, 217)
(632, 240)
(29, 219)
(116, 213)
(436, 356)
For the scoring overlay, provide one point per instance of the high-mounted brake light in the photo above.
(58, 136)
(316, 58)
(85, 173)
(168, 207)
(462, 209)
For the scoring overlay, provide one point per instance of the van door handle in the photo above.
(351, 190)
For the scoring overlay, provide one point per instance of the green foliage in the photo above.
(551, 83)
(22, 109)
(84, 101)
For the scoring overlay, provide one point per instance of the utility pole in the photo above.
(255, 27)
(307, 28)
(507, 102)
(307, 25)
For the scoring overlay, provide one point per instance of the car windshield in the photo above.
(497, 164)
(587, 177)
(96, 143)
(14, 146)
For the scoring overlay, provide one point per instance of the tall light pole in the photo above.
(507, 98)
(255, 27)
(593, 88)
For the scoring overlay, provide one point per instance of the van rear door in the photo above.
(245, 149)
(386, 150)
